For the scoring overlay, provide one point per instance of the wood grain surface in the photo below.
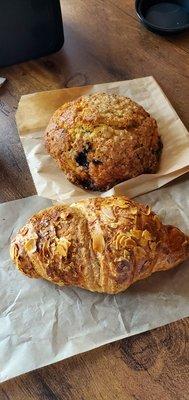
(104, 41)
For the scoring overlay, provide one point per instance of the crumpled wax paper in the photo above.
(41, 323)
(35, 110)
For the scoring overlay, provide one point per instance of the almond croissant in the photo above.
(100, 244)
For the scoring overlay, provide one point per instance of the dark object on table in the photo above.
(164, 17)
(29, 29)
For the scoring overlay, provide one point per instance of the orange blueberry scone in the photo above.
(103, 139)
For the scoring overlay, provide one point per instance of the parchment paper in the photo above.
(41, 323)
(35, 110)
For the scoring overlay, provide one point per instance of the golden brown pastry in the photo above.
(103, 139)
(100, 244)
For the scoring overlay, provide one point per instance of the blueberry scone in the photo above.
(103, 139)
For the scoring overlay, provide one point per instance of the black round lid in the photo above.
(164, 16)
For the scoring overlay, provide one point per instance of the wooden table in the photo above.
(104, 42)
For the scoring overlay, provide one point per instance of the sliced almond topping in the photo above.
(107, 212)
(113, 225)
(134, 210)
(46, 246)
(136, 233)
(140, 252)
(121, 203)
(146, 235)
(30, 246)
(120, 239)
(98, 242)
(24, 230)
(62, 246)
(126, 254)
(130, 242)
(147, 211)
(13, 251)
(157, 221)
(143, 242)
(152, 246)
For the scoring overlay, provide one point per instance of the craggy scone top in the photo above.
(103, 139)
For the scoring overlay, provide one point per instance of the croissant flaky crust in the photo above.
(100, 244)
(103, 139)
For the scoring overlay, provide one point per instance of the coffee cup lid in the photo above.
(164, 17)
